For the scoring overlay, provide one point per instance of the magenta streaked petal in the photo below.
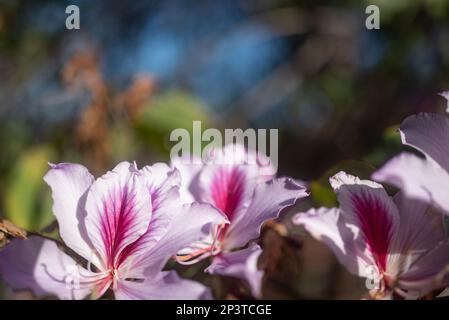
(418, 178)
(366, 205)
(227, 179)
(229, 190)
(377, 226)
(229, 187)
(69, 184)
(268, 200)
(429, 133)
(165, 286)
(40, 266)
(118, 209)
(240, 264)
(198, 174)
(403, 240)
(162, 185)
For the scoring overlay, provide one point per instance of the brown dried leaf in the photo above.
(138, 92)
(12, 230)
(83, 70)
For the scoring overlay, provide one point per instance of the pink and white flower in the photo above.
(234, 181)
(398, 244)
(119, 232)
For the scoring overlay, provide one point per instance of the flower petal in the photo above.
(328, 225)
(162, 185)
(228, 188)
(268, 200)
(365, 204)
(118, 209)
(191, 223)
(39, 265)
(428, 272)
(342, 178)
(420, 248)
(421, 228)
(69, 184)
(240, 264)
(228, 179)
(429, 133)
(418, 178)
(166, 286)
(160, 179)
(217, 168)
(189, 169)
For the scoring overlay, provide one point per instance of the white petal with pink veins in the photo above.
(118, 209)
(162, 185)
(367, 206)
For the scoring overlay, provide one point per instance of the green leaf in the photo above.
(323, 194)
(27, 200)
(170, 110)
(321, 191)
(389, 146)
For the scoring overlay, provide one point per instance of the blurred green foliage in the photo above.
(168, 111)
(27, 203)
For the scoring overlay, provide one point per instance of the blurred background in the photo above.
(136, 70)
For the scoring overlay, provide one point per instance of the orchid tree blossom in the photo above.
(118, 233)
(238, 183)
(425, 179)
(398, 244)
